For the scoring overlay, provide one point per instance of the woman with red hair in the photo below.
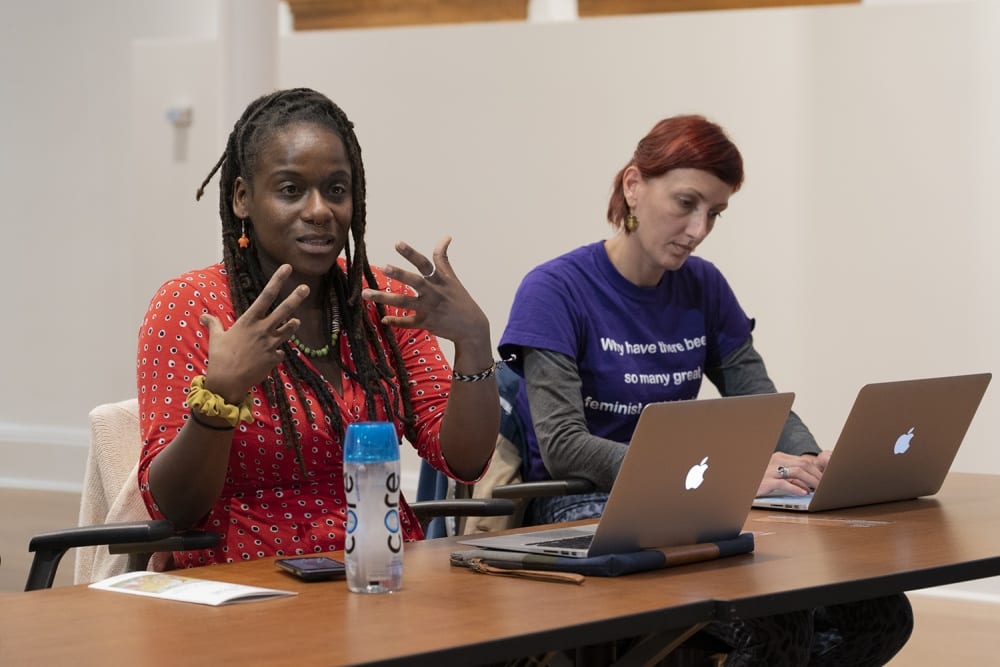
(635, 319)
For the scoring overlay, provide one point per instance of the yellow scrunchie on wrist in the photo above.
(213, 405)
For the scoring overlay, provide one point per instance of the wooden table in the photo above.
(866, 552)
(447, 615)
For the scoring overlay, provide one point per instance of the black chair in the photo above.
(118, 519)
(141, 539)
(515, 429)
(138, 540)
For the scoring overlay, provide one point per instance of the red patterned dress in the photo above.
(267, 507)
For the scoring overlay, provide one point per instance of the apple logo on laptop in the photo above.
(903, 442)
(696, 475)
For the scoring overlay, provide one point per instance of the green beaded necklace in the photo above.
(313, 353)
(324, 351)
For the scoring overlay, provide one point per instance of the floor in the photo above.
(25, 513)
(947, 631)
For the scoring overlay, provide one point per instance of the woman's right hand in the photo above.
(243, 355)
(791, 475)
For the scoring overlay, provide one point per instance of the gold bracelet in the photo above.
(211, 404)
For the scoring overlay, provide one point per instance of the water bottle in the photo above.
(374, 546)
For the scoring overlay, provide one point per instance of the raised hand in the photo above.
(441, 305)
(243, 355)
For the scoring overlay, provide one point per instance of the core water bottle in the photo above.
(374, 547)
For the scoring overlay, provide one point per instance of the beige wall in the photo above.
(861, 240)
(71, 246)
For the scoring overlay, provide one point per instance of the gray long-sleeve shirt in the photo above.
(568, 448)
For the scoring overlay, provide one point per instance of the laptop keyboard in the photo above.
(578, 542)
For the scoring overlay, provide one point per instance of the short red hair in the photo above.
(680, 142)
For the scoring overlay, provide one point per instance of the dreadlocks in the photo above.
(377, 374)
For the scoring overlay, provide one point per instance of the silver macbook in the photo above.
(689, 475)
(898, 442)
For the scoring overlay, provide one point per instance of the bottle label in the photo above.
(377, 498)
(374, 540)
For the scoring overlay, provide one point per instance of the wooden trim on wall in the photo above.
(615, 7)
(330, 14)
(337, 14)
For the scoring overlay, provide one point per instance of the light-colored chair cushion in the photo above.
(111, 487)
(505, 468)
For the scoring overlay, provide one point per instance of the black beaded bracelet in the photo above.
(194, 416)
(481, 375)
(475, 377)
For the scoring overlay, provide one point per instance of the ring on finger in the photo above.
(782, 472)
(431, 274)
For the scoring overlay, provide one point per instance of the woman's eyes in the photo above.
(291, 190)
(687, 205)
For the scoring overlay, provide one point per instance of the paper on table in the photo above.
(186, 589)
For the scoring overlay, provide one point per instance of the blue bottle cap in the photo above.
(371, 442)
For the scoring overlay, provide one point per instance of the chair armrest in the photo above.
(552, 487)
(193, 540)
(139, 553)
(427, 509)
(110, 533)
(50, 547)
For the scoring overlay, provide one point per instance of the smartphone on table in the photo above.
(312, 568)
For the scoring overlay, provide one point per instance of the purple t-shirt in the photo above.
(633, 345)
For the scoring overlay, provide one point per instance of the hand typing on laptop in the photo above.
(790, 475)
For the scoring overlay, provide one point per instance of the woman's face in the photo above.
(299, 200)
(676, 211)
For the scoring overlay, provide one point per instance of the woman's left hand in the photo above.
(441, 304)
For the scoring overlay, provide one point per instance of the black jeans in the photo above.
(854, 634)
(860, 634)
